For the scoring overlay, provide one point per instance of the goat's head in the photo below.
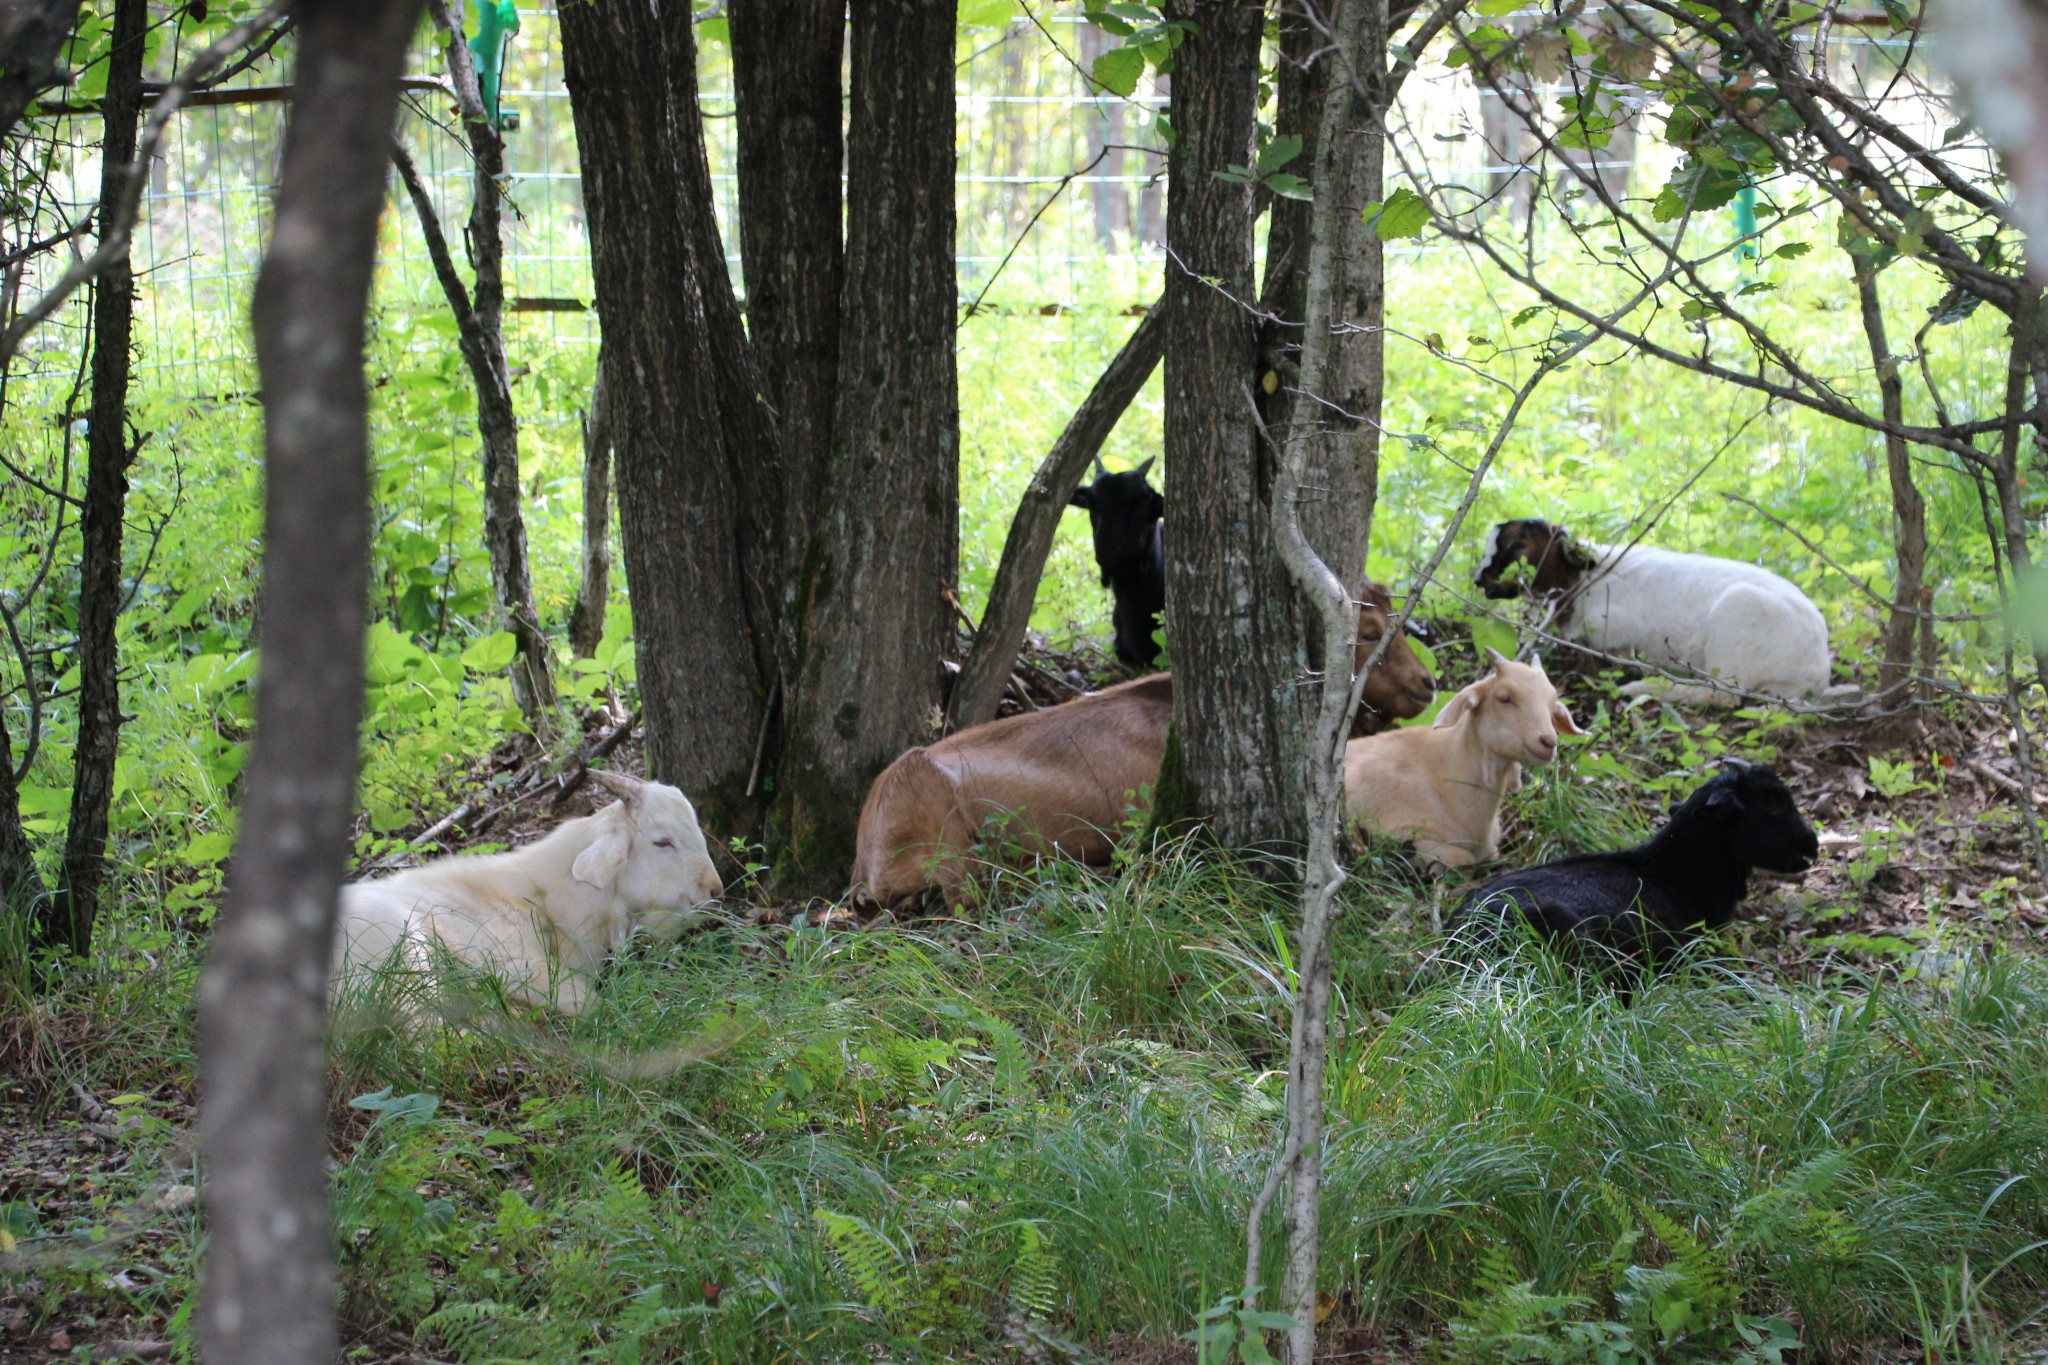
(1515, 711)
(1756, 816)
(649, 852)
(1124, 511)
(1545, 546)
(1401, 685)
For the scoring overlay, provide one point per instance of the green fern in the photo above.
(880, 1278)
(481, 1329)
(1034, 1275)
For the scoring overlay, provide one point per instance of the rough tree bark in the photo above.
(480, 318)
(1909, 512)
(700, 679)
(882, 550)
(268, 1287)
(786, 56)
(21, 885)
(979, 688)
(593, 591)
(1236, 760)
(110, 451)
(32, 36)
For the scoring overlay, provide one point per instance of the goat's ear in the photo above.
(1724, 801)
(1457, 706)
(1142, 470)
(625, 786)
(598, 864)
(1499, 660)
(1561, 716)
(1084, 496)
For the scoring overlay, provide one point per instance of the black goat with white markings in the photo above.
(1645, 903)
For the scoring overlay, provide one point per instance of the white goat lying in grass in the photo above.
(1442, 786)
(546, 917)
(1719, 618)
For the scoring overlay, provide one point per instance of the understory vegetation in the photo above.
(1041, 1129)
(1033, 1133)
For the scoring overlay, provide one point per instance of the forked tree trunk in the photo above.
(268, 1285)
(1230, 624)
(882, 550)
(1909, 512)
(699, 675)
(979, 688)
(110, 451)
(786, 60)
(593, 592)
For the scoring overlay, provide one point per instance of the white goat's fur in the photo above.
(1442, 787)
(543, 918)
(1720, 618)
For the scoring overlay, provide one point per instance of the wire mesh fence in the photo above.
(1061, 187)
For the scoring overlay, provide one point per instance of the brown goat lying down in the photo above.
(1065, 777)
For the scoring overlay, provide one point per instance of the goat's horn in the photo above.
(1736, 765)
(1101, 470)
(625, 785)
(1146, 467)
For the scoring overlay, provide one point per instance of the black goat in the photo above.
(1124, 511)
(1646, 902)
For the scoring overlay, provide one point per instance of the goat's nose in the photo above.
(1547, 743)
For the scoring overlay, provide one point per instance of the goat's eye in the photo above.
(1507, 699)
(664, 843)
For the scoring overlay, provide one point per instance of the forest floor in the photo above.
(1924, 867)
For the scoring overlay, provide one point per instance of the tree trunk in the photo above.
(1909, 512)
(593, 593)
(21, 885)
(32, 37)
(109, 453)
(2027, 339)
(497, 421)
(786, 56)
(1230, 625)
(268, 1285)
(870, 604)
(700, 678)
(979, 688)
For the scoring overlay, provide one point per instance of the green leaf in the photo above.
(1404, 214)
(492, 652)
(1792, 251)
(1534, 310)
(1698, 185)
(1289, 186)
(1497, 9)
(390, 656)
(1118, 71)
(986, 13)
(1278, 153)
(1695, 309)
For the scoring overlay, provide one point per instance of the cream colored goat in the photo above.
(1442, 786)
(546, 917)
